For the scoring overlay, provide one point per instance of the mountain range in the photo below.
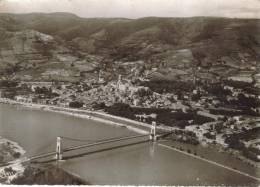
(63, 46)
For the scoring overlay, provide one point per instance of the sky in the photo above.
(138, 8)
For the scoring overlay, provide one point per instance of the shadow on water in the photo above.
(90, 152)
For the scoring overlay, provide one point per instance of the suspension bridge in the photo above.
(60, 151)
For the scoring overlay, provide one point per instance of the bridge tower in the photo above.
(59, 149)
(153, 132)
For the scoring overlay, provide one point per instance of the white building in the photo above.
(23, 99)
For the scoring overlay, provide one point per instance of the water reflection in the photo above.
(152, 149)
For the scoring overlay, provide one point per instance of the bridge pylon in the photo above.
(153, 136)
(59, 151)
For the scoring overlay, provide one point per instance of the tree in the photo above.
(209, 136)
(98, 106)
(76, 104)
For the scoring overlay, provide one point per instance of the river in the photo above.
(143, 163)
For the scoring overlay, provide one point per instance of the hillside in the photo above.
(156, 41)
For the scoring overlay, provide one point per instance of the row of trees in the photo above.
(164, 116)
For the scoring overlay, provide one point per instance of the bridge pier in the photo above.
(153, 136)
(59, 151)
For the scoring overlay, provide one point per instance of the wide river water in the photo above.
(136, 164)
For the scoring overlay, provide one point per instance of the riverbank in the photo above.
(132, 125)
(10, 152)
(210, 161)
(47, 175)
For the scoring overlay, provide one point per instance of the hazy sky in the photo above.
(138, 8)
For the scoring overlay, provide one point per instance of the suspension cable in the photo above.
(90, 140)
(78, 140)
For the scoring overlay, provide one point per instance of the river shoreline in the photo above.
(10, 172)
(135, 126)
(48, 175)
(86, 114)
